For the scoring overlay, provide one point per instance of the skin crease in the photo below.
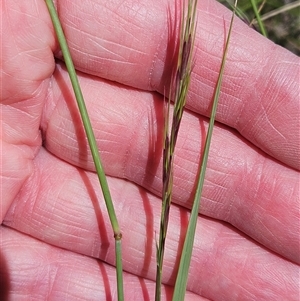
(54, 222)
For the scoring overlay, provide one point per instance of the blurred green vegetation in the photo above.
(281, 19)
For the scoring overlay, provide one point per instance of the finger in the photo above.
(33, 269)
(260, 87)
(25, 63)
(66, 209)
(13, 174)
(26, 58)
(243, 186)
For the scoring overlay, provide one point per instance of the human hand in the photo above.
(55, 223)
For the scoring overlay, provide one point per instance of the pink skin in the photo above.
(54, 222)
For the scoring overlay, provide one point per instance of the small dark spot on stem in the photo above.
(118, 236)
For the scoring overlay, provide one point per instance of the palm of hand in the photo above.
(51, 193)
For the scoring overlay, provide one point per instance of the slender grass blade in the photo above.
(182, 274)
(258, 18)
(92, 143)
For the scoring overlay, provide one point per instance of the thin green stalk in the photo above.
(238, 11)
(182, 274)
(258, 18)
(92, 143)
(278, 11)
(178, 91)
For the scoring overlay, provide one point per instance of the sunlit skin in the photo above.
(54, 222)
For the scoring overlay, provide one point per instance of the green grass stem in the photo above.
(279, 10)
(258, 18)
(92, 143)
(182, 274)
